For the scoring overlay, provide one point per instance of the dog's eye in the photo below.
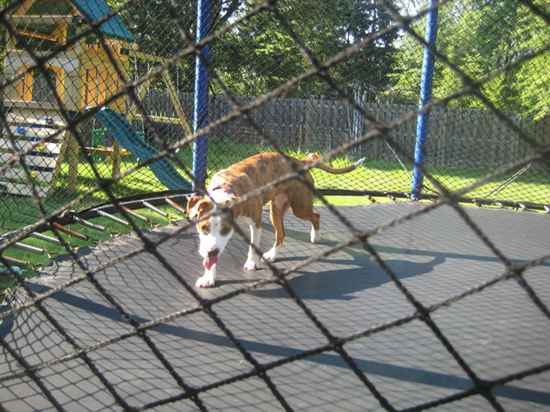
(205, 229)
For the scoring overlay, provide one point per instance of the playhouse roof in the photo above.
(96, 10)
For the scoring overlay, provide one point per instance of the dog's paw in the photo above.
(270, 255)
(315, 235)
(250, 265)
(205, 281)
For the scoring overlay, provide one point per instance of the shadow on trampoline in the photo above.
(341, 281)
(357, 250)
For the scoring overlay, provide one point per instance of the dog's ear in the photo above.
(204, 207)
(230, 202)
(192, 200)
(313, 157)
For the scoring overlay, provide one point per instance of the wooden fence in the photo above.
(466, 138)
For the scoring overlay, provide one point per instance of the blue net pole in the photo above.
(200, 112)
(425, 96)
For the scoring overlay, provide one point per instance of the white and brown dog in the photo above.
(225, 190)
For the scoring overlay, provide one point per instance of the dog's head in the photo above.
(214, 223)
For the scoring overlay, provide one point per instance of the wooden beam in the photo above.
(54, 18)
(40, 36)
(72, 156)
(24, 7)
(115, 157)
(156, 119)
(106, 151)
(149, 57)
(68, 231)
(176, 102)
(61, 32)
(146, 56)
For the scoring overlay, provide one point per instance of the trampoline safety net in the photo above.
(418, 130)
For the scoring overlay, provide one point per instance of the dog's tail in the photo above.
(314, 157)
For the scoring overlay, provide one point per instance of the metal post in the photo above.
(200, 112)
(425, 96)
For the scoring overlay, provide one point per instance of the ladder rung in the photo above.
(112, 217)
(154, 208)
(134, 214)
(175, 205)
(89, 224)
(69, 232)
(29, 248)
(46, 238)
(15, 261)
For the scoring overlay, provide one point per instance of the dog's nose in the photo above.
(213, 253)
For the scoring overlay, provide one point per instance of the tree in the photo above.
(533, 77)
(262, 53)
(481, 38)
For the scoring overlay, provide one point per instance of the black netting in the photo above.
(113, 111)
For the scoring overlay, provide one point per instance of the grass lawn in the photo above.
(374, 175)
(113, 229)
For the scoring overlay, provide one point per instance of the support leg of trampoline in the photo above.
(425, 96)
(200, 112)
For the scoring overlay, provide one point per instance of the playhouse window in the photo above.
(96, 86)
(35, 86)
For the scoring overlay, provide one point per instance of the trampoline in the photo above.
(497, 329)
(403, 306)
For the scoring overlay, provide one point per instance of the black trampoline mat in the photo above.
(498, 332)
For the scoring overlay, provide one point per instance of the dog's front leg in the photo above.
(208, 279)
(253, 259)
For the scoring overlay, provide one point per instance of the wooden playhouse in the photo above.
(83, 76)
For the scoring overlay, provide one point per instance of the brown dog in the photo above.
(229, 185)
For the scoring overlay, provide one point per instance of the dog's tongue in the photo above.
(209, 262)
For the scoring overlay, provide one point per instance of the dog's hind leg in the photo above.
(279, 206)
(315, 219)
(255, 224)
(303, 209)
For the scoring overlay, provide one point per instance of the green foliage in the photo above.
(481, 38)
(533, 78)
(262, 53)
